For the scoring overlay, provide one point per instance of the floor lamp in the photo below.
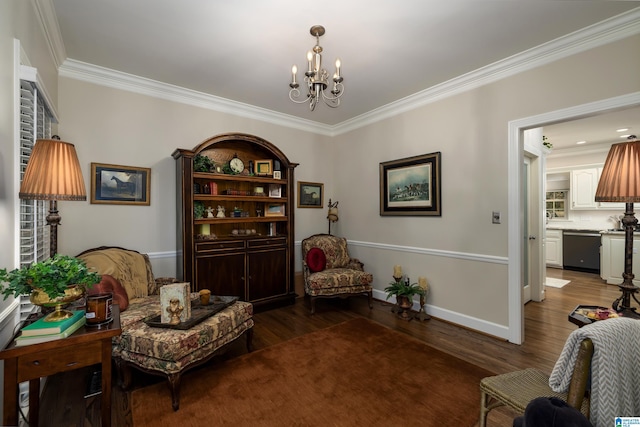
(332, 215)
(620, 182)
(53, 173)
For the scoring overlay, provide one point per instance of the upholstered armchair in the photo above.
(329, 271)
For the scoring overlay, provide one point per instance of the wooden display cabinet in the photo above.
(249, 252)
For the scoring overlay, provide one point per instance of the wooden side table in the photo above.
(86, 347)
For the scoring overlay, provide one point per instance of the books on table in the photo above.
(37, 339)
(42, 327)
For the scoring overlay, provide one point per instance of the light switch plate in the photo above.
(495, 217)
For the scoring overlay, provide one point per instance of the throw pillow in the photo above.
(316, 260)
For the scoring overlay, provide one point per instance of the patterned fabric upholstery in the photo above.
(163, 351)
(171, 350)
(343, 276)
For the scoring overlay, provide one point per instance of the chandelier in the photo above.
(316, 78)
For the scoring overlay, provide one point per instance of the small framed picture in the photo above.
(274, 209)
(264, 167)
(277, 174)
(310, 194)
(275, 190)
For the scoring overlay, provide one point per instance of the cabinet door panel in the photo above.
(267, 273)
(223, 274)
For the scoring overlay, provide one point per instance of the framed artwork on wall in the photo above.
(122, 185)
(310, 194)
(411, 186)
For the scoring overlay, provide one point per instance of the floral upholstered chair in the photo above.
(329, 271)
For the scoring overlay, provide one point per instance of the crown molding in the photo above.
(49, 23)
(610, 30)
(604, 32)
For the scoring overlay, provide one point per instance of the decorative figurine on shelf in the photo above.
(209, 212)
(220, 213)
(175, 309)
(251, 171)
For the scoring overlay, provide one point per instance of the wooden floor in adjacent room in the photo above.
(546, 329)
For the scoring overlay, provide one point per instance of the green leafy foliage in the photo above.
(203, 164)
(400, 288)
(53, 276)
(198, 209)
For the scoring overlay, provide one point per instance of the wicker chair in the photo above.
(517, 389)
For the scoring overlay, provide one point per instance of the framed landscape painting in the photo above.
(124, 185)
(411, 186)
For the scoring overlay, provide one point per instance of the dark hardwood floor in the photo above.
(546, 329)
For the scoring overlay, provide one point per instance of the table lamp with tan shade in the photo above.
(53, 173)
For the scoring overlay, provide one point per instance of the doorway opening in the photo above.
(517, 148)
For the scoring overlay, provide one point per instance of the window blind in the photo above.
(35, 122)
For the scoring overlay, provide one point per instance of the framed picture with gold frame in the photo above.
(121, 185)
(264, 167)
(274, 209)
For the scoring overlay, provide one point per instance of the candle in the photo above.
(338, 67)
(309, 59)
(294, 70)
(422, 282)
(397, 271)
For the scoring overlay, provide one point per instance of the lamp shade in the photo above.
(53, 173)
(620, 178)
(333, 214)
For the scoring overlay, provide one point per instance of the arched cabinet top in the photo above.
(238, 143)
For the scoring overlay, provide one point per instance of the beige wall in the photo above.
(471, 132)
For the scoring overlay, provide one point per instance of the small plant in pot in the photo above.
(50, 283)
(404, 292)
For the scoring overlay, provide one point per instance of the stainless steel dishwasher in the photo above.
(581, 250)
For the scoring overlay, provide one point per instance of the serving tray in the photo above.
(199, 313)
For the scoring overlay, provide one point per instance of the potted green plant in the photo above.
(50, 283)
(404, 292)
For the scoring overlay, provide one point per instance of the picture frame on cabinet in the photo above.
(121, 185)
(411, 186)
(275, 190)
(310, 194)
(274, 209)
(264, 167)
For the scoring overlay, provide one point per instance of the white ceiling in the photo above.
(243, 50)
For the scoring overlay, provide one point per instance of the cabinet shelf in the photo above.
(238, 178)
(243, 220)
(229, 198)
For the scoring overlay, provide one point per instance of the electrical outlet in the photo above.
(495, 217)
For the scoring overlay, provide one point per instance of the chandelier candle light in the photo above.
(316, 78)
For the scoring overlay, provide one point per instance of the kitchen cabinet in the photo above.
(553, 248)
(583, 189)
(584, 183)
(612, 258)
(235, 214)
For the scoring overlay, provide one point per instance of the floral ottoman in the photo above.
(170, 352)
